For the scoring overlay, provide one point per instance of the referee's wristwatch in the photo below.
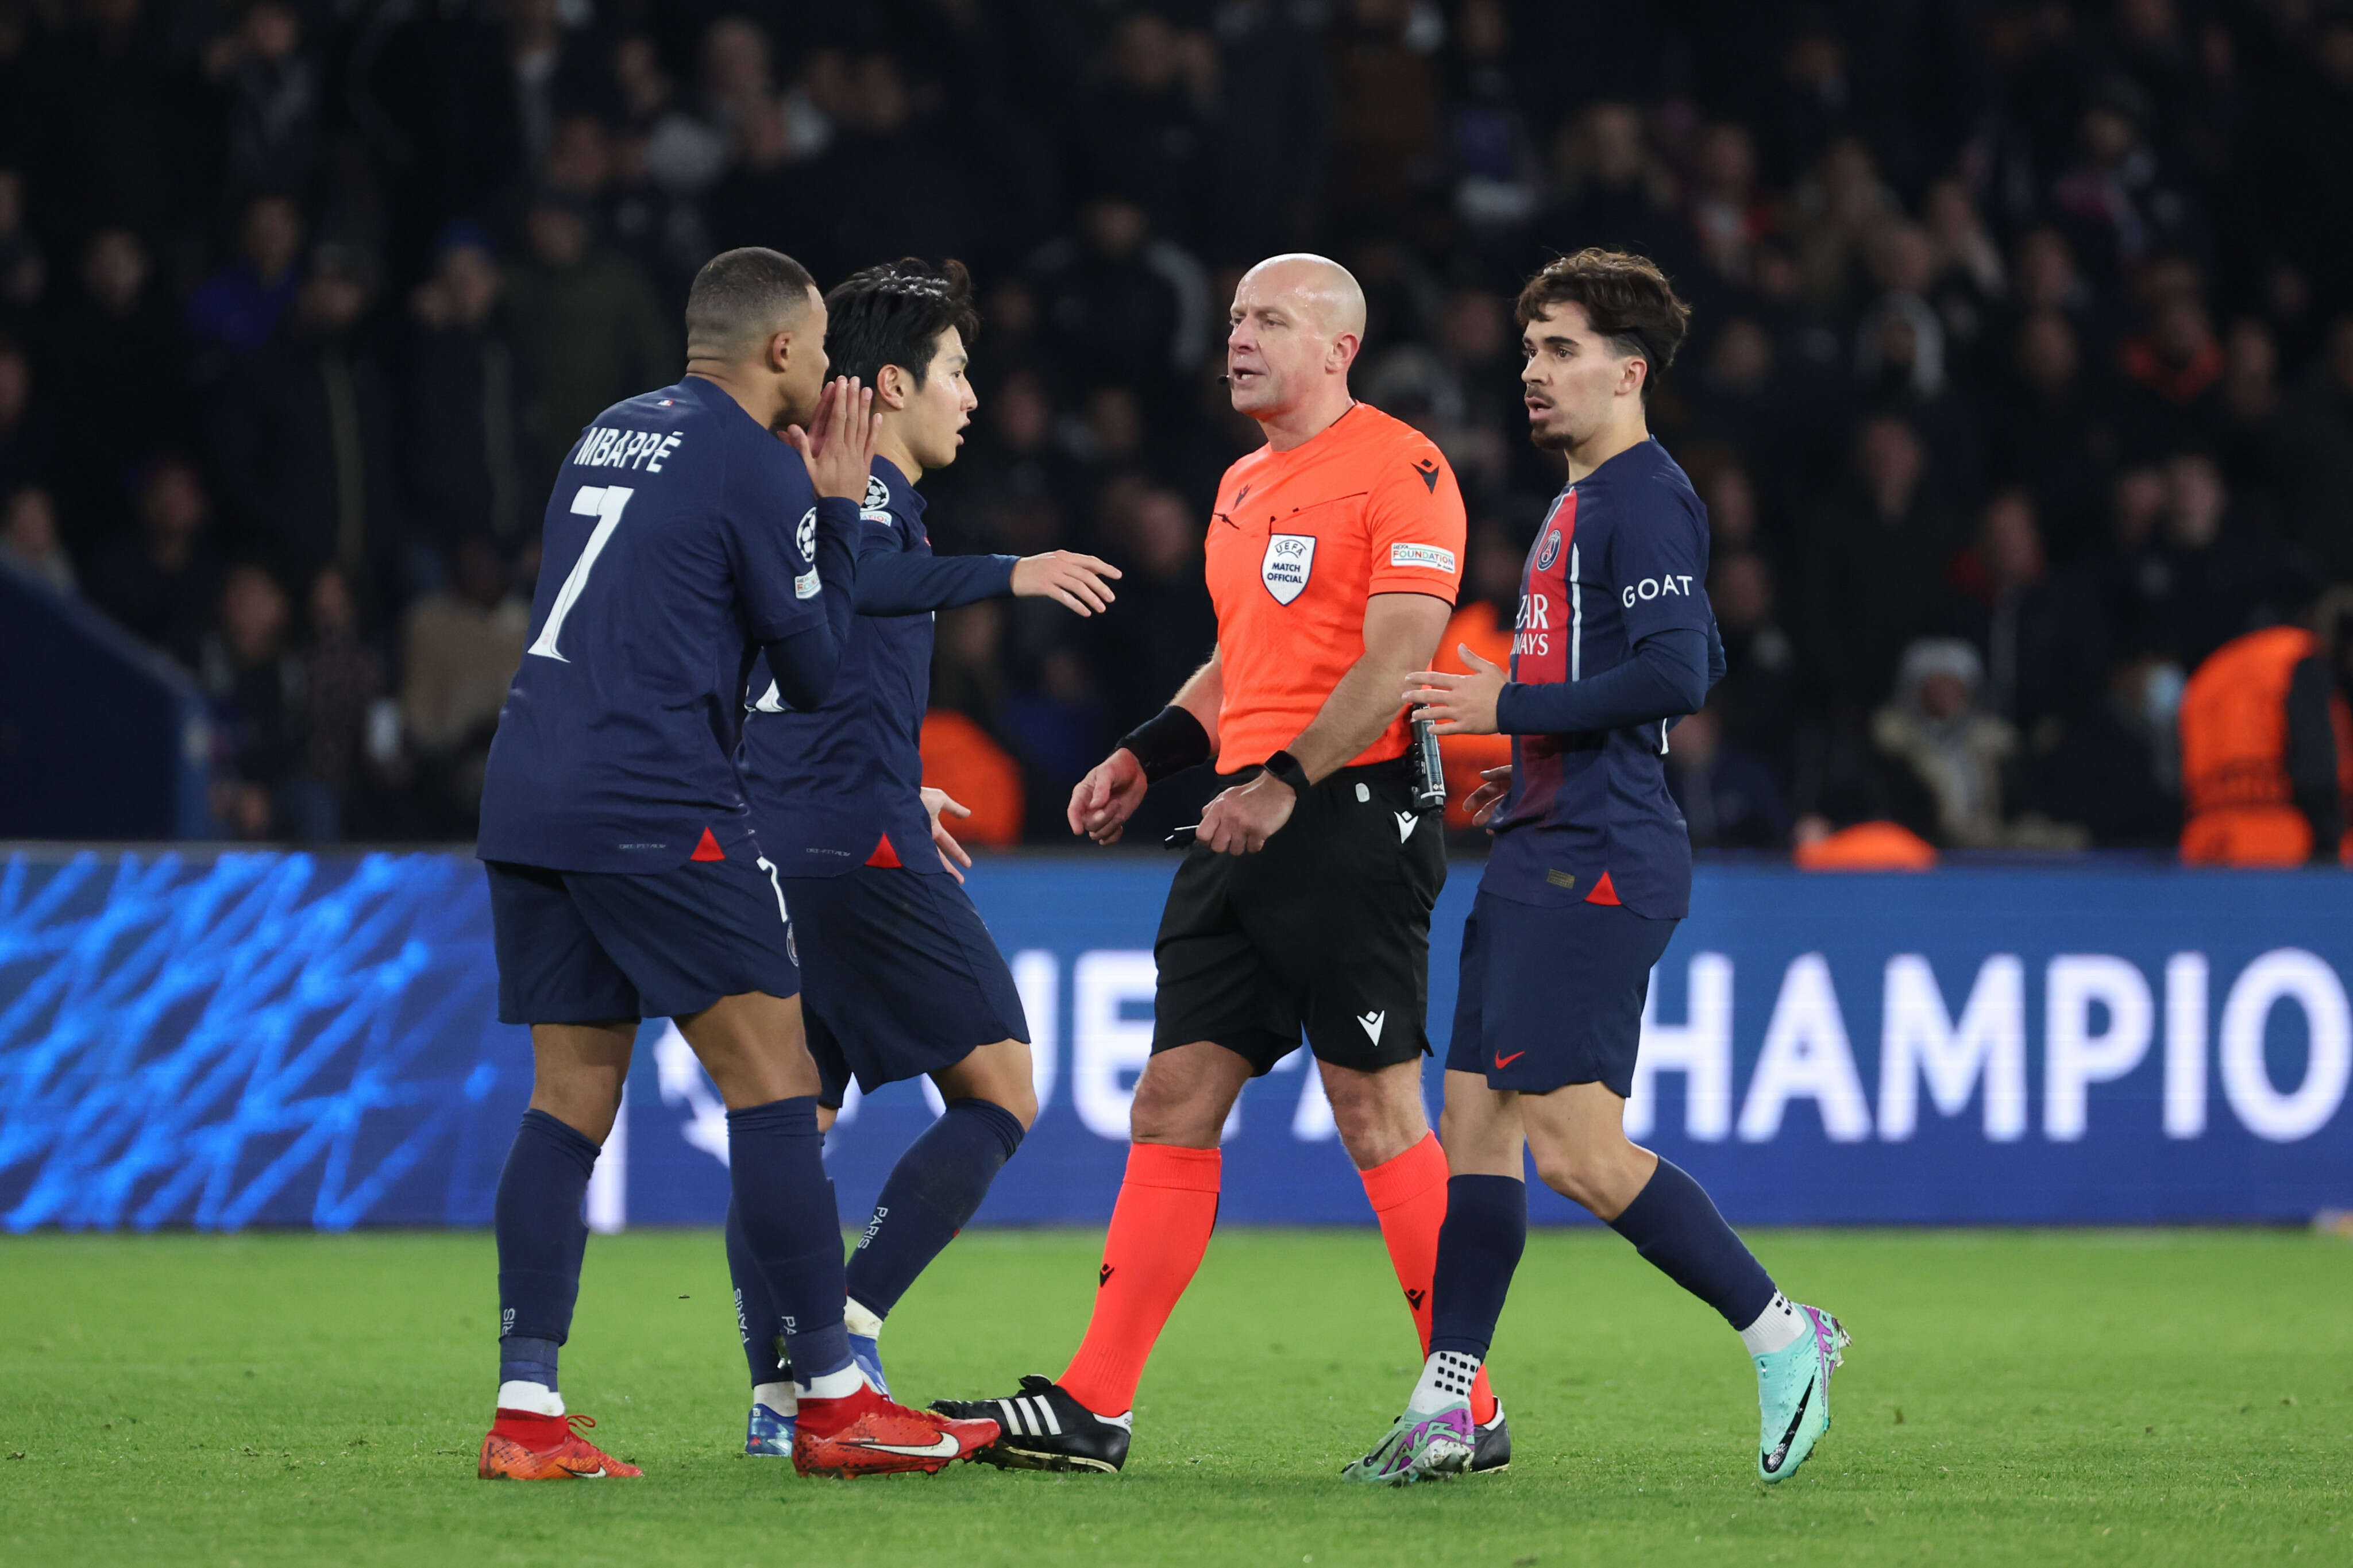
(1285, 766)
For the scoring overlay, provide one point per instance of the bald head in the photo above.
(1296, 324)
(1318, 288)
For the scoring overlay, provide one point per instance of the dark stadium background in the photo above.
(2026, 328)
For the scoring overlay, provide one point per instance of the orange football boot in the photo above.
(863, 1434)
(522, 1446)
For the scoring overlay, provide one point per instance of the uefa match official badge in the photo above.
(1289, 557)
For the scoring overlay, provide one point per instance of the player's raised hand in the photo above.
(952, 854)
(1458, 704)
(1101, 802)
(839, 445)
(1493, 785)
(1075, 581)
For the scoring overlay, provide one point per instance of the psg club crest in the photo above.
(1550, 552)
(1289, 559)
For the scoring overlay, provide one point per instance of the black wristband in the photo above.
(1169, 742)
(1285, 766)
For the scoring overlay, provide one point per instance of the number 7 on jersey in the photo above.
(604, 503)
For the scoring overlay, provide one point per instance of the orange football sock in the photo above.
(1159, 1229)
(1409, 1197)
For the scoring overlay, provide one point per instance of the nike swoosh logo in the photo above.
(595, 1474)
(947, 1448)
(1503, 1062)
(1773, 1460)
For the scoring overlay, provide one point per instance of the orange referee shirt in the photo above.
(1299, 541)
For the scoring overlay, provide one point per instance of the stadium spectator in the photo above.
(253, 681)
(1148, 132)
(114, 349)
(2036, 632)
(459, 647)
(467, 464)
(22, 273)
(163, 584)
(1757, 701)
(343, 680)
(586, 329)
(1876, 566)
(236, 310)
(1963, 762)
(28, 539)
(270, 98)
(1119, 304)
(301, 433)
(28, 430)
(1727, 797)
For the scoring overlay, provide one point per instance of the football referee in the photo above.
(1333, 559)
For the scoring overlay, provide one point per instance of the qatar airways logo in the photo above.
(1532, 628)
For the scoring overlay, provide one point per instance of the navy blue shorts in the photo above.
(1553, 995)
(904, 979)
(591, 947)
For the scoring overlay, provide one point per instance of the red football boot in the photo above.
(522, 1446)
(863, 1434)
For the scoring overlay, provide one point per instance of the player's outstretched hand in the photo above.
(1458, 704)
(952, 854)
(1103, 800)
(1494, 784)
(1075, 581)
(839, 445)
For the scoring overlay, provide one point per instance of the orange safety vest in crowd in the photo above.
(1466, 756)
(960, 758)
(1868, 846)
(2234, 778)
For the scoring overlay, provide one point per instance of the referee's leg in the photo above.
(1160, 1226)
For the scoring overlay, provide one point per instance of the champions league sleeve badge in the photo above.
(1289, 557)
(876, 506)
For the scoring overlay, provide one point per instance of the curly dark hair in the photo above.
(894, 314)
(1625, 296)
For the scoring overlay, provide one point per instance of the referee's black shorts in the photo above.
(1326, 928)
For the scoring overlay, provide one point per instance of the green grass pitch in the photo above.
(2131, 1397)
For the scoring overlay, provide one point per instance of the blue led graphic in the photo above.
(250, 1038)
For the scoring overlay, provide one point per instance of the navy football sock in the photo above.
(776, 1168)
(541, 1239)
(1486, 1230)
(1673, 1224)
(758, 1320)
(932, 1193)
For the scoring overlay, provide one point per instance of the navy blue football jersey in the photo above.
(828, 787)
(680, 538)
(1622, 554)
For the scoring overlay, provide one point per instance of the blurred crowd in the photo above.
(2021, 374)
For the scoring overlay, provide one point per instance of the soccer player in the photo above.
(625, 877)
(1590, 871)
(1333, 559)
(901, 978)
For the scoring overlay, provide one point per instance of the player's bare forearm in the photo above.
(1401, 633)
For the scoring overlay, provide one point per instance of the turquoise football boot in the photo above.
(1419, 1447)
(1793, 1395)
